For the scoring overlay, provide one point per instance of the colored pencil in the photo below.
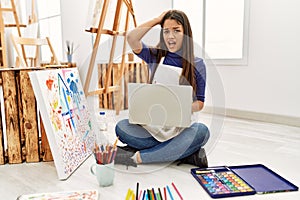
(160, 195)
(153, 194)
(177, 191)
(149, 194)
(169, 191)
(102, 148)
(110, 152)
(104, 155)
(144, 194)
(157, 196)
(140, 195)
(100, 158)
(137, 191)
(115, 144)
(128, 194)
(165, 193)
(113, 155)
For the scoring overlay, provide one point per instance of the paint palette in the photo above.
(241, 180)
(222, 183)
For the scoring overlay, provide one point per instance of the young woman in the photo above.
(175, 50)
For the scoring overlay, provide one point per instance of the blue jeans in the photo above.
(186, 143)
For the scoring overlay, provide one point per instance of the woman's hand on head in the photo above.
(134, 37)
(161, 16)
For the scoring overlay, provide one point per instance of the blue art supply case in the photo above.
(258, 179)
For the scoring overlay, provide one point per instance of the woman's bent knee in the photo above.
(202, 134)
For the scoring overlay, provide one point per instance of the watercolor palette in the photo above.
(241, 180)
(222, 183)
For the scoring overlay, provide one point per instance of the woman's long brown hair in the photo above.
(188, 74)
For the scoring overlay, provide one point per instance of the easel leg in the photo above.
(121, 72)
(95, 48)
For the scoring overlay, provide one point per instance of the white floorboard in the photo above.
(234, 142)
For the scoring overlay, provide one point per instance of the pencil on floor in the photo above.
(149, 194)
(177, 191)
(153, 194)
(140, 195)
(137, 191)
(144, 194)
(128, 194)
(157, 196)
(169, 191)
(160, 195)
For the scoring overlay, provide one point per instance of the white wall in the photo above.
(74, 16)
(268, 84)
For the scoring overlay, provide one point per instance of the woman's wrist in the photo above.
(158, 19)
(155, 21)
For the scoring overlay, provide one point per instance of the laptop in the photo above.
(160, 104)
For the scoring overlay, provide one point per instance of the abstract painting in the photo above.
(65, 116)
(65, 195)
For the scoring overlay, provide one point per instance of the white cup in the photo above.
(104, 173)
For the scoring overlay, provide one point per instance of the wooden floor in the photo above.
(233, 142)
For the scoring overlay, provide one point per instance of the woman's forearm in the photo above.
(134, 37)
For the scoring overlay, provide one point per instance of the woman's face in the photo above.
(173, 35)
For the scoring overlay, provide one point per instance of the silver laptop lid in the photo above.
(160, 105)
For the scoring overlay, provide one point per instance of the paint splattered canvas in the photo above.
(66, 195)
(65, 116)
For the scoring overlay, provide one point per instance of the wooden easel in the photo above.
(114, 32)
(3, 63)
(32, 18)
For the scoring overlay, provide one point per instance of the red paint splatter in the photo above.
(49, 83)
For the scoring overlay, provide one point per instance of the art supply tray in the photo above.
(228, 181)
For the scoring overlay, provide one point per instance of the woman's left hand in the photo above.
(197, 106)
